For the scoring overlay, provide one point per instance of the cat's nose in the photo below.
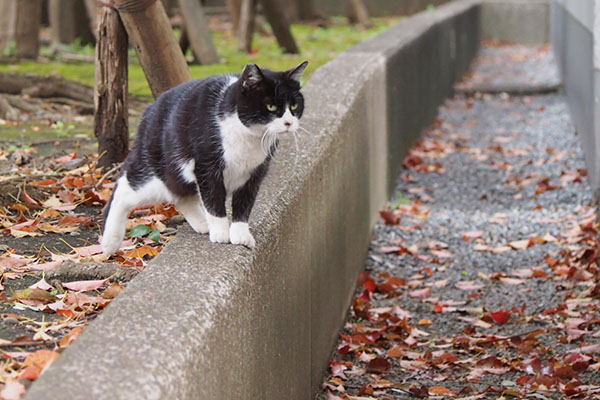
(287, 124)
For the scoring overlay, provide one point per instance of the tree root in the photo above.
(71, 271)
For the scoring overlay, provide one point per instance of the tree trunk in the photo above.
(246, 29)
(357, 12)
(20, 26)
(69, 21)
(234, 7)
(280, 25)
(196, 29)
(158, 51)
(110, 92)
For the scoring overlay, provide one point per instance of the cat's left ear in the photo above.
(296, 72)
(251, 76)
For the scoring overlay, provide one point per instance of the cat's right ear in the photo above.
(251, 76)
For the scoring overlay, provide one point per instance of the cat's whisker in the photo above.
(294, 134)
(304, 130)
(263, 142)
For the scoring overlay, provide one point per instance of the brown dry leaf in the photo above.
(33, 294)
(112, 291)
(421, 293)
(441, 391)
(84, 286)
(71, 336)
(141, 252)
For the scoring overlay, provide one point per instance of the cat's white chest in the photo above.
(242, 152)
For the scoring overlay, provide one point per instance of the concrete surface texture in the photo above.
(518, 21)
(206, 321)
(574, 36)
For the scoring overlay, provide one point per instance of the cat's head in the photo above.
(271, 99)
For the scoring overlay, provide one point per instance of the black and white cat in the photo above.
(202, 141)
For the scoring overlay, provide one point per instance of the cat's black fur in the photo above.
(185, 124)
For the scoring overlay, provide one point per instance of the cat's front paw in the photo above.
(239, 233)
(218, 235)
(110, 244)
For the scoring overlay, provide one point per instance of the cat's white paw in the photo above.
(200, 227)
(218, 229)
(239, 233)
(219, 236)
(110, 244)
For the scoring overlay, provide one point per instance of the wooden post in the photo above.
(196, 28)
(234, 7)
(20, 26)
(280, 25)
(69, 21)
(357, 12)
(110, 92)
(159, 53)
(246, 31)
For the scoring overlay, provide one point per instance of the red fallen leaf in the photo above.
(445, 358)
(30, 201)
(30, 373)
(45, 182)
(395, 352)
(419, 391)
(421, 293)
(41, 359)
(66, 313)
(379, 365)
(93, 198)
(500, 316)
(517, 311)
(441, 391)
(369, 284)
(564, 372)
(84, 286)
(69, 220)
(389, 217)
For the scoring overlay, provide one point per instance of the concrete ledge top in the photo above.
(207, 321)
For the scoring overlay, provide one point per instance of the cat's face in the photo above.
(271, 100)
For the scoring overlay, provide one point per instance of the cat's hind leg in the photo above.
(192, 209)
(123, 200)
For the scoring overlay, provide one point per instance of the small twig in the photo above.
(27, 343)
(108, 173)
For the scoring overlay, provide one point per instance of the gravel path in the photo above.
(481, 279)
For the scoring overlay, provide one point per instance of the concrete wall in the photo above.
(207, 321)
(575, 34)
(519, 21)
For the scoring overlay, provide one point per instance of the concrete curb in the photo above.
(206, 321)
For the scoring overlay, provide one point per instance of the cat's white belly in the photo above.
(242, 152)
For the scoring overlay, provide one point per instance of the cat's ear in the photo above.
(251, 76)
(296, 72)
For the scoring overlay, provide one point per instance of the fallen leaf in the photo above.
(421, 293)
(500, 316)
(389, 217)
(441, 391)
(379, 365)
(468, 285)
(141, 252)
(84, 286)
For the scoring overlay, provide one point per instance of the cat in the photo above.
(202, 141)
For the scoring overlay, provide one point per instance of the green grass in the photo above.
(318, 45)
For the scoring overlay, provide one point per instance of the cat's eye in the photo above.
(294, 107)
(271, 107)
